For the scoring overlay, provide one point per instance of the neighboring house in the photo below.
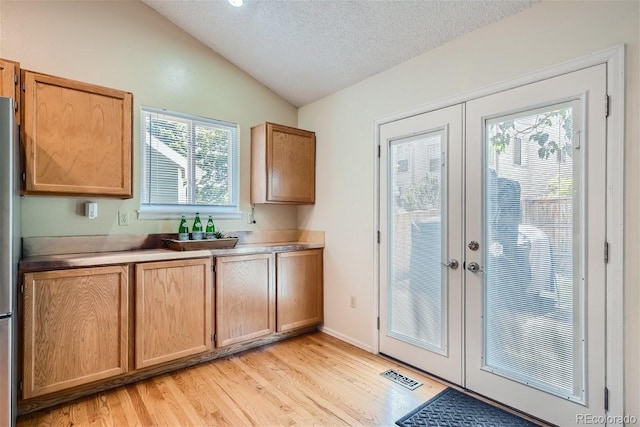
(413, 163)
(539, 177)
(170, 174)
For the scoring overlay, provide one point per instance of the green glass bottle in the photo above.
(183, 229)
(196, 231)
(210, 229)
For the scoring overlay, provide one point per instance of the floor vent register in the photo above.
(403, 380)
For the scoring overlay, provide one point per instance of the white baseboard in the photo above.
(346, 339)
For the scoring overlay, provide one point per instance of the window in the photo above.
(520, 152)
(403, 165)
(517, 151)
(189, 164)
(434, 158)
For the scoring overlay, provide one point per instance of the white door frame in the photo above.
(614, 58)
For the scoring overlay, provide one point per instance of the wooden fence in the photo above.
(553, 216)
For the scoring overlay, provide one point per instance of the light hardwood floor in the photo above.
(313, 379)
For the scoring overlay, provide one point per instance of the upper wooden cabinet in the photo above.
(74, 328)
(9, 79)
(173, 310)
(76, 137)
(283, 165)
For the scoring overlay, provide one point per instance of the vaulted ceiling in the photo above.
(305, 50)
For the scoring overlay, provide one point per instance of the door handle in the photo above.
(473, 267)
(452, 264)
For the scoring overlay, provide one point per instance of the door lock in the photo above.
(473, 267)
(473, 245)
(452, 264)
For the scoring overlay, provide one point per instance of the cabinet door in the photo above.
(9, 85)
(244, 298)
(299, 288)
(283, 165)
(75, 327)
(77, 137)
(173, 310)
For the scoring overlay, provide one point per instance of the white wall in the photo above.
(128, 46)
(547, 34)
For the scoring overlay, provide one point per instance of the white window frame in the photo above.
(170, 211)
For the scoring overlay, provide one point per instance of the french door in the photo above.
(420, 308)
(519, 201)
(535, 283)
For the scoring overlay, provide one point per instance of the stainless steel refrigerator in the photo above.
(10, 251)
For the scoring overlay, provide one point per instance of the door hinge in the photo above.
(213, 267)
(15, 79)
(606, 398)
(379, 151)
(24, 86)
(606, 106)
(213, 338)
(378, 236)
(378, 322)
(24, 176)
(22, 289)
(606, 252)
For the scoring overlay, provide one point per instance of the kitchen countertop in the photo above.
(91, 259)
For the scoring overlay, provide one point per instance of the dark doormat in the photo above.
(452, 408)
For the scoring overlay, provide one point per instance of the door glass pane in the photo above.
(533, 318)
(416, 287)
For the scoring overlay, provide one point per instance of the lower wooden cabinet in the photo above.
(75, 328)
(299, 283)
(245, 297)
(77, 322)
(173, 310)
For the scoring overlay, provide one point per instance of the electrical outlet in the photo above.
(352, 302)
(123, 218)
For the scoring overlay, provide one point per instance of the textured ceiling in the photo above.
(307, 49)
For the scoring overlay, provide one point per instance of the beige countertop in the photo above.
(41, 262)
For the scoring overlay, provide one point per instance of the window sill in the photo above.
(176, 212)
